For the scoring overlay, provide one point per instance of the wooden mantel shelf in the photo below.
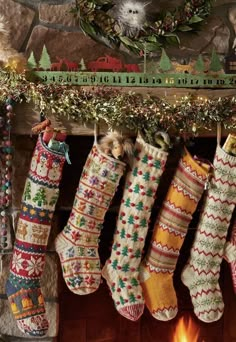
(27, 114)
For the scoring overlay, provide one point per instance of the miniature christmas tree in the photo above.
(122, 301)
(149, 192)
(134, 237)
(82, 221)
(114, 264)
(122, 233)
(199, 65)
(135, 171)
(215, 64)
(127, 202)
(134, 282)
(45, 61)
(165, 63)
(31, 63)
(40, 197)
(143, 223)
(125, 268)
(82, 65)
(121, 283)
(131, 219)
(27, 192)
(132, 298)
(145, 159)
(137, 253)
(139, 206)
(125, 251)
(146, 176)
(136, 188)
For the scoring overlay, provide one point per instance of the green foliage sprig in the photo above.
(96, 21)
(119, 109)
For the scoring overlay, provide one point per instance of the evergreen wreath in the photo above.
(95, 20)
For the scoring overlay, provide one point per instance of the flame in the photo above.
(186, 330)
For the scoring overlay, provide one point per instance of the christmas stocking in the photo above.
(77, 244)
(156, 273)
(121, 270)
(33, 228)
(201, 274)
(230, 254)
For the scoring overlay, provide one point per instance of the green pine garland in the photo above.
(95, 21)
(117, 109)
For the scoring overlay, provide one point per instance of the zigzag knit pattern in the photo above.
(121, 270)
(38, 203)
(201, 274)
(156, 273)
(77, 244)
(230, 255)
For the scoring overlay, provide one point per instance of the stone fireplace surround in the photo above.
(79, 318)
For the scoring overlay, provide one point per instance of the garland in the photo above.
(95, 20)
(120, 110)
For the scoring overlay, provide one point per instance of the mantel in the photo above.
(27, 114)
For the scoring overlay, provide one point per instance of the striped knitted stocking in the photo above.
(202, 271)
(77, 244)
(230, 254)
(38, 203)
(157, 269)
(121, 270)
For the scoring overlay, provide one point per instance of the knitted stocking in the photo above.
(77, 244)
(202, 271)
(38, 203)
(122, 268)
(156, 273)
(230, 254)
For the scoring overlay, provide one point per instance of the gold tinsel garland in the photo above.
(117, 109)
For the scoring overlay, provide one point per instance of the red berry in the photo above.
(150, 157)
(117, 253)
(128, 235)
(125, 279)
(129, 287)
(139, 297)
(118, 290)
(140, 172)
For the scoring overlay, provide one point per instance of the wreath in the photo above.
(95, 20)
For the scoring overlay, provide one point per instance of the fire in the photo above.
(186, 330)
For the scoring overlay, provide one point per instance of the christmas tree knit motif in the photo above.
(33, 228)
(77, 244)
(201, 274)
(121, 270)
(157, 269)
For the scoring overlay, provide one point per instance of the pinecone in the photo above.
(105, 22)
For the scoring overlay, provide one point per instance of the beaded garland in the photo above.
(6, 152)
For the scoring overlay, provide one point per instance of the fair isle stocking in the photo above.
(33, 228)
(77, 244)
(156, 272)
(201, 274)
(230, 254)
(121, 270)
